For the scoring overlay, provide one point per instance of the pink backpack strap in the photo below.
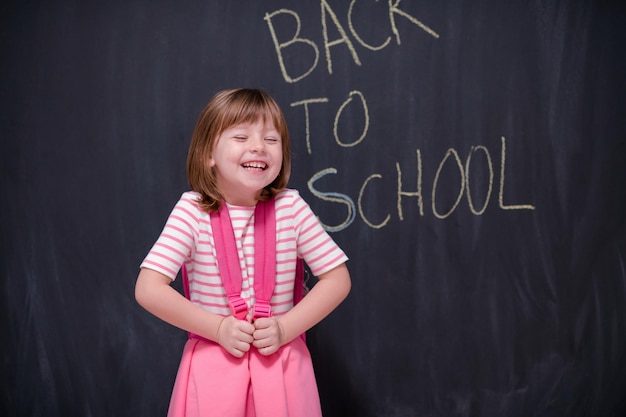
(299, 285)
(264, 261)
(228, 260)
(185, 277)
(264, 257)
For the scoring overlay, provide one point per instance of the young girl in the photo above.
(237, 361)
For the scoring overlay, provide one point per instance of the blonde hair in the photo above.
(226, 109)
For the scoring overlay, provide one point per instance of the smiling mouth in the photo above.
(255, 166)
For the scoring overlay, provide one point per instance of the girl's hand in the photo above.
(268, 336)
(235, 336)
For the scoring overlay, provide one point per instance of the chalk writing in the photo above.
(467, 179)
(338, 115)
(454, 153)
(326, 14)
(307, 125)
(343, 39)
(418, 193)
(360, 199)
(358, 37)
(333, 197)
(501, 194)
(356, 102)
(464, 189)
(366, 118)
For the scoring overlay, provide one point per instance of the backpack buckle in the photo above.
(261, 309)
(238, 306)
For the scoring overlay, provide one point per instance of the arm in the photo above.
(154, 293)
(331, 289)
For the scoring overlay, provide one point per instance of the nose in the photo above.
(257, 144)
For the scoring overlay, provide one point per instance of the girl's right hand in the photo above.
(235, 335)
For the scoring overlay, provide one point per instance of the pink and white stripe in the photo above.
(188, 238)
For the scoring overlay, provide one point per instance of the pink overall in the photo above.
(213, 383)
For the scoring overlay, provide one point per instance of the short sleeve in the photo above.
(315, 246)
(175, 243)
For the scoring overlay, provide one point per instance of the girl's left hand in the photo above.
(268, 335)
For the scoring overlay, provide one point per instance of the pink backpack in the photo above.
(264, 260)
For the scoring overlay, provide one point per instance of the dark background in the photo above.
(513, 305)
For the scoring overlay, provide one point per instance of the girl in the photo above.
(242, 359)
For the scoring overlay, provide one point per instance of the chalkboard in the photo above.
(467, 156)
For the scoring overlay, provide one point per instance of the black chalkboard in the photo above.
(468, 156)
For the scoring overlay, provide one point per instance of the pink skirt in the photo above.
(211, 382)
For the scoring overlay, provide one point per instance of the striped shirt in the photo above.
(188, 238)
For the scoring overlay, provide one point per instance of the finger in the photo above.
(243, 347)
(268, 350)
(264, 342)
(263, 323)
(260, 334)
(264, 339)
(239, 350)
(236, 353)
(260, 343)
(245, 338)
(246, 327)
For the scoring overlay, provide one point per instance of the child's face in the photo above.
(247, 157)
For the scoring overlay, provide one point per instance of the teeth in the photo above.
(255, 165)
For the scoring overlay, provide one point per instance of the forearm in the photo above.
(331, 289)
(154, 293)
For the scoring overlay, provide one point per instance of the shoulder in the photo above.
(286, 196)
(188, 207)
(289, 199)
(290, 204)
(190, 198)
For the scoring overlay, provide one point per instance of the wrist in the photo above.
(281, 332)
(219, 327)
